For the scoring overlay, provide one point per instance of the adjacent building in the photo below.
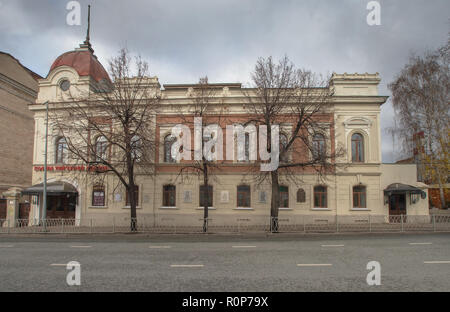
(18, 89)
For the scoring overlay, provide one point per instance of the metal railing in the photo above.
(178, 224)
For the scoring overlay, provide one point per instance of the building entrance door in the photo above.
(397, 204)
(397, 207)
(2, 208)
(61, 206)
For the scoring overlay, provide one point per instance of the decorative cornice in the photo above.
(356, 76)
(17, 85)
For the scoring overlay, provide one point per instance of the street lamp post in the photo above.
(44, 195)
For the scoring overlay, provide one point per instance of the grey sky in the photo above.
(183, 40)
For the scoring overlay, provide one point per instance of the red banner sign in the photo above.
(72, 168)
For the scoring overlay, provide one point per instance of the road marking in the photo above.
(186, 265)
(420, 243)
(436, 262)
(6, 246)
(62, 264)
(332, 245)
(313, 264)
(159, 247)
(80, 246)
(240, 246)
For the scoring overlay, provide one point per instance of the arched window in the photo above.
(244, 138)
(359, 196)
(61, 151)
(357, 148)
(136, 147)
(318, 145)
(98, 196)
(168, 141)
(243, 196)
(169, 195)
(283, 143)
(284, 197)
(206, 138)
(247, 147)
(101, 145)
(203, 199)
(320, 196)
(301, 196)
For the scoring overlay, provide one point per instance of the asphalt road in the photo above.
(409, 262)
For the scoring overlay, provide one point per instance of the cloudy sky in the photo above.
(183, 40)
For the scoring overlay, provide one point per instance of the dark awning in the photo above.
(399, 188)
(54, 188)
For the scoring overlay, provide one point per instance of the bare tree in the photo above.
(420, 96)
(286, 96)
(202, 114)
(111, 130)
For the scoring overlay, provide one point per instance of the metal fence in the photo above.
(231, 224)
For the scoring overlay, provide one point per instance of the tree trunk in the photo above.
(441, 193)
(275, 202)
(206, 201)
(132, 199)
(441, 187)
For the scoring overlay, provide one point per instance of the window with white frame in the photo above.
(318, 146)
(168, 142)
(357, 148)
(61, 151)
(101, 147)
(320, 196)
(169, 195)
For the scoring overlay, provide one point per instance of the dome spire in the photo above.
(89, 25)
(87, 44)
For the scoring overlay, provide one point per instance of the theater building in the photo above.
(364, 186)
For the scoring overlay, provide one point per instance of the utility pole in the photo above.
(44, 195)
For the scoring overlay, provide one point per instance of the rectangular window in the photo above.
(203, 196)
(284, 197)
(243, 196)
(320, 197)
(169, 196)
(359, 197)
(98, 196)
